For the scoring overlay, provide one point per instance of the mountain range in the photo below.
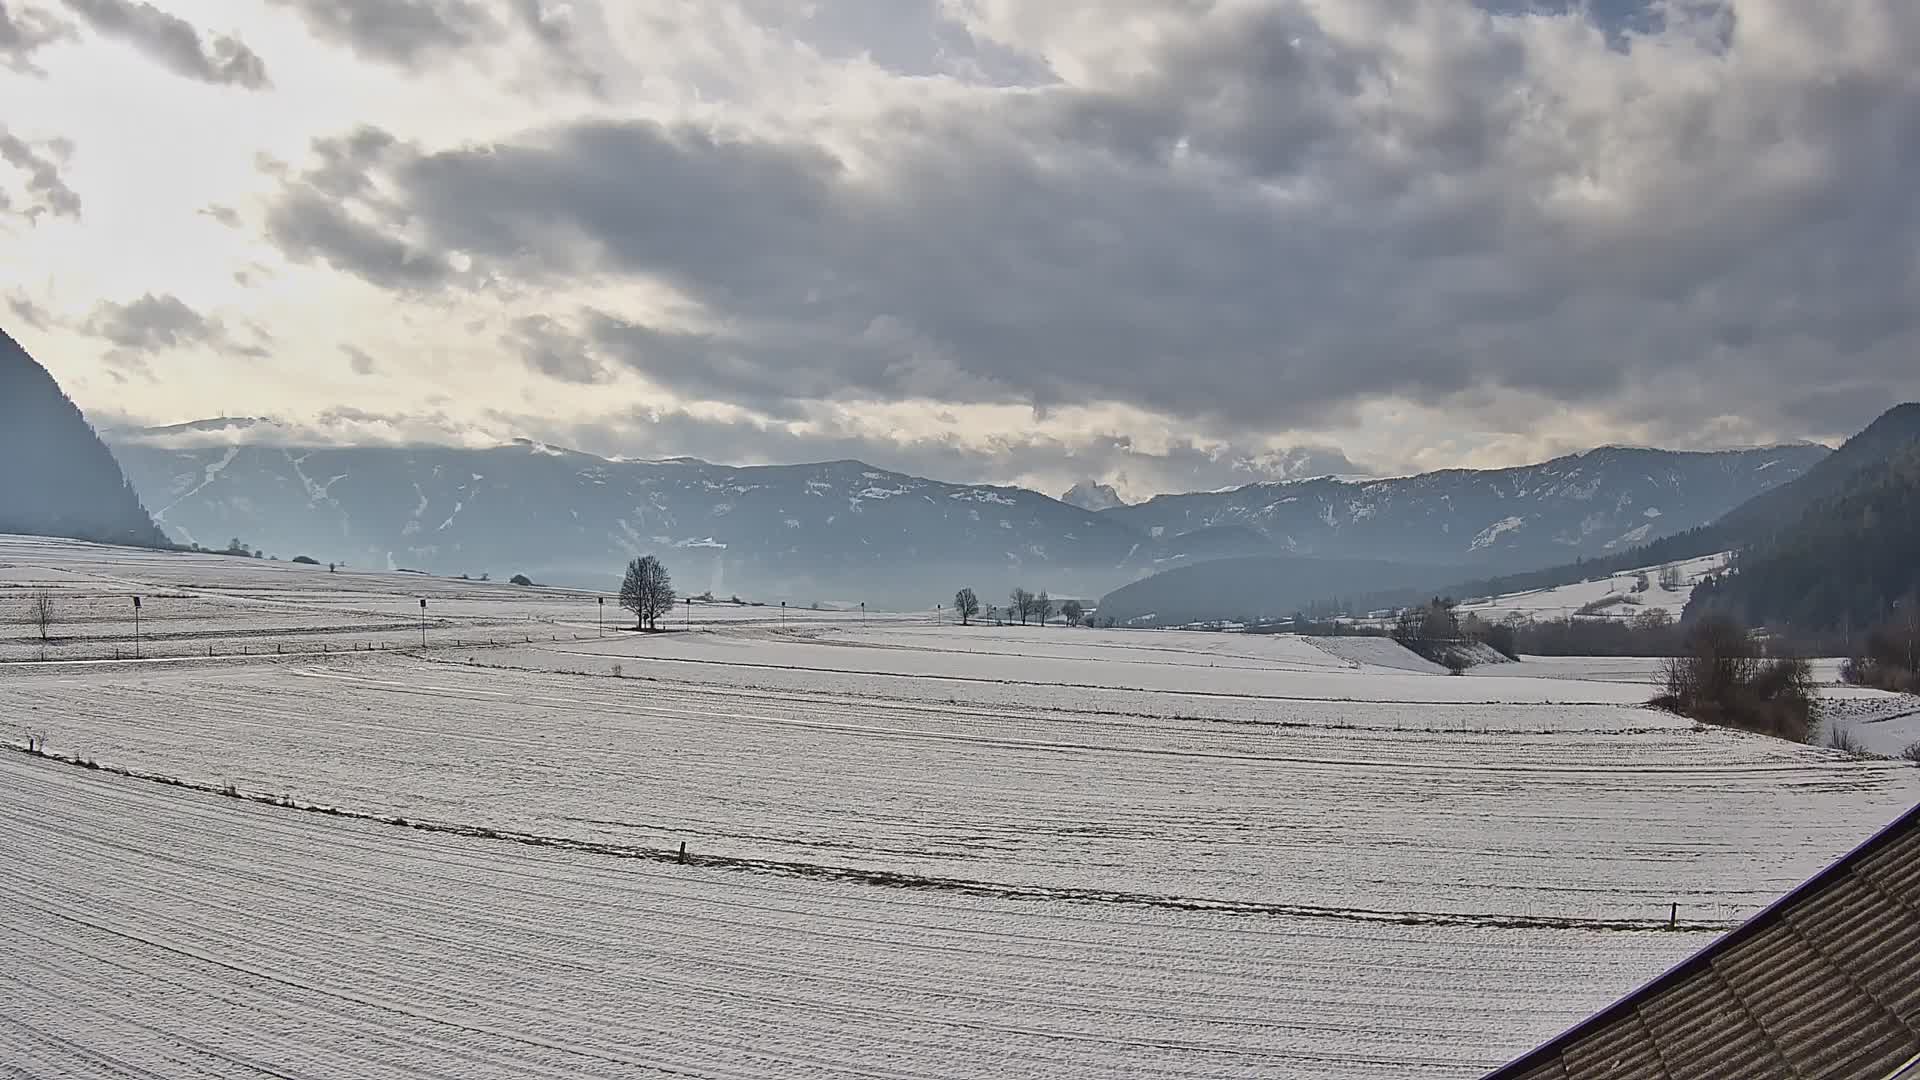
(1590, 504)
(844, 531)
(1824, 550)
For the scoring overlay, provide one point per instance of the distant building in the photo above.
(1823, 985)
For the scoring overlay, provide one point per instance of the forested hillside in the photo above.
(1843, 564)
(56, 477)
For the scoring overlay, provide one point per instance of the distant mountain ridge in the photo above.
(846, 530)
(56, 477)
(1605, 500)
(1782, 515)
(829, 531)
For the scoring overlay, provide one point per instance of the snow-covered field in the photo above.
(914, 850)
(216, 605)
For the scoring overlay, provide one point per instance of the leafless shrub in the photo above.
(1844, 740)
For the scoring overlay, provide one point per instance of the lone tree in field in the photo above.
(1043, 607)
(647, 592)
(1019, 605)
(1073, 612)
(967, 604)
(40, 612)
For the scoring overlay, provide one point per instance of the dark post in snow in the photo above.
(603, 616)
(689, 612)
(783, 614)
(136, 628)
(423, 622)
(863, 613)
(1673, 917)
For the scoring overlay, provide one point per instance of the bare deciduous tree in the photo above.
(1020, 605)
(1043, 607)
(41, 613)
(967, 604)
(647, 591)
(1073, 611)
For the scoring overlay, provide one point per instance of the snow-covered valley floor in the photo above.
(913, 850)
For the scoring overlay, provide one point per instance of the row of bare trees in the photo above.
(1022, 605)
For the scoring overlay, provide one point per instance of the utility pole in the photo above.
(423, 622)
(136, 628)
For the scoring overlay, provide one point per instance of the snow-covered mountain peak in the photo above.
(1088, 495)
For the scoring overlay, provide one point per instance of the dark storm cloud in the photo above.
(1246, 218)
(396, 31)
(154, 323)
(549, 349)
(411, 33)
(24, 30)
(359, 360)
(39, 163)
(307, 225)
(28, 312)
(175, 43)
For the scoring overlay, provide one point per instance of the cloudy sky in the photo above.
(1166, 243)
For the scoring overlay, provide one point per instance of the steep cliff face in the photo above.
(56, 477)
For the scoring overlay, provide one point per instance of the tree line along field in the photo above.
(912, 850)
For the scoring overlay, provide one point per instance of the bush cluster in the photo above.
(1720, 678)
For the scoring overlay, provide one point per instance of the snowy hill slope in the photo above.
(1616, 592)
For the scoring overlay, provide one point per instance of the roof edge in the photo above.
(1760, 921)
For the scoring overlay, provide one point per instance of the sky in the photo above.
(1167, 244)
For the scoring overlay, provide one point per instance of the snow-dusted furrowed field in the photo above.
(214, 605)
(913, 850)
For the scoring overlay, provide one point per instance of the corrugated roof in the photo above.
(1823, 985)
